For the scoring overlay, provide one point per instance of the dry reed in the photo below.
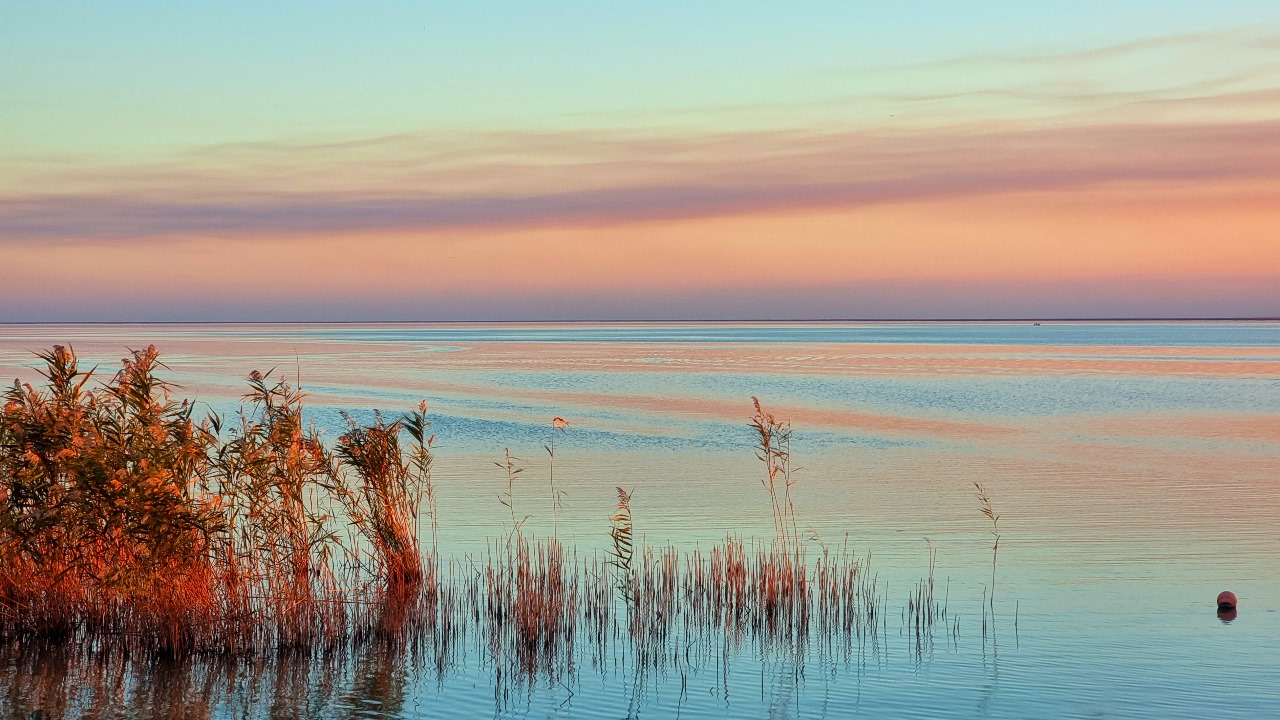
(984, 504)
(125, 522)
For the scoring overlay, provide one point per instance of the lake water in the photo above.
(1136, 468)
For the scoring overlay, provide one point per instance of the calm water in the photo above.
(1136, 467)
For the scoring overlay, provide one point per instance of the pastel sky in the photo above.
(657, 160)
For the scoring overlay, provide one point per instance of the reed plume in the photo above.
(984, 503)
(773, 448)
(622, 552)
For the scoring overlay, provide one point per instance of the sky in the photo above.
(627, 161)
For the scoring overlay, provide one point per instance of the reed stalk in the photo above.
(558, 424)
(623, 550)
(773, 448)
(984, 504)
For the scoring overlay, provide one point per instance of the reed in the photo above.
(558, 424)
(623, 547)
(984, 504)
(421, 458)
(126, 524)
(101, 507)
(923, 610)
(512, 466)
(382, 502)
(773, 448)
(120, 515)
(272, 479)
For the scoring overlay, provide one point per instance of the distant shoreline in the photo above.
(868, 321)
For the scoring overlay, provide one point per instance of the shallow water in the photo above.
(1135, 467)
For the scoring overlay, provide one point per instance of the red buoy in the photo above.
(1226, 601)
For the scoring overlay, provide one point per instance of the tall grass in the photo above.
(104, 518)
(558, 424)
(120, 515)
(126, 523)
(275, 554)
(383, 499)
(984, 504)
(622, 551)
(773, 448)
(512, 467)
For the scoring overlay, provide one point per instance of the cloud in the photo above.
(552, 180)
(952, 131)
(1220, 40)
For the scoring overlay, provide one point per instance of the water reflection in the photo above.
(529, 630)
(67, 679)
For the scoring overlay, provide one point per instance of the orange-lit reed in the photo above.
(125, 521)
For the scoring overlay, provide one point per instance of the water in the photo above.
(1135, 467)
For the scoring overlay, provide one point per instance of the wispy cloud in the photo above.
(962, 133)
(541, 180)
(1219, 40)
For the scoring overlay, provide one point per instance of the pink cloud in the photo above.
(648, 179)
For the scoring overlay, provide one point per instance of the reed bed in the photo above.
(128, 527)
(122, 516)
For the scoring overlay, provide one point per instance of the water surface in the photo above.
(1135, 467)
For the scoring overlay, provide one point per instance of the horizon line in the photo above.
(1031, 319)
